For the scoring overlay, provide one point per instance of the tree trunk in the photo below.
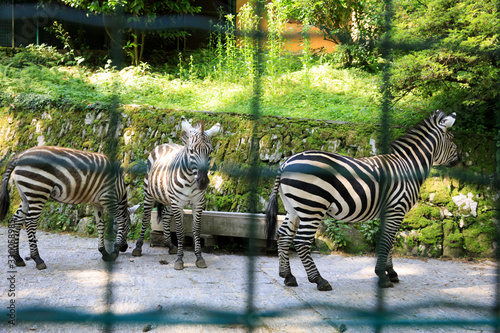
(143, 38)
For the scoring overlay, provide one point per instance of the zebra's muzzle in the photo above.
(201, 179)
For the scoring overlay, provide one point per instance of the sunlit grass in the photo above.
(322, 92)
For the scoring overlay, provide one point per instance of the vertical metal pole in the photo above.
(13, 44)
(496, 180)
(110, 149)
(496, 309)
(254, 168)
(385, 121)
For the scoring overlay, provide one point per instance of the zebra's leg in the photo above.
(179, 230)
(15, 226)
(121, 214)
(166, 218)
(391, 273)
(146, 219)
(303, 241)
(32, 218)
(384, 254)
(285, 235)
(99, 223)
(200, 262)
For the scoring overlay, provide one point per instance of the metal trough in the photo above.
(215, 224)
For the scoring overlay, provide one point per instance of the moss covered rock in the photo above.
(479, 236)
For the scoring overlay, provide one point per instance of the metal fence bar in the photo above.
(254, 172)
(495, 311)
(110, 149)
(385, 122)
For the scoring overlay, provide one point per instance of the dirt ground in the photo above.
(433, 295)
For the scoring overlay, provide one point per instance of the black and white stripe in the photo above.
(68, 176)
(313, 184)
(177, 176)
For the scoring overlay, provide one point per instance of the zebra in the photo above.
(68, 176)
(178, 176)
(313, 184)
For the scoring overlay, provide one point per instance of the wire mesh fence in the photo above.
(250, 318)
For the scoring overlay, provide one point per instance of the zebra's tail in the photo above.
(159, 216)
(272, 211)
(4, 189)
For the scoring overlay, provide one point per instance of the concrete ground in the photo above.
(431, 292)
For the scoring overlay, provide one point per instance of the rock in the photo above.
(82, 226)
(467, 203)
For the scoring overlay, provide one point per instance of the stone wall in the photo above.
(453, 218)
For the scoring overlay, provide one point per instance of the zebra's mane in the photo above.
(199, 127)
(425, 125)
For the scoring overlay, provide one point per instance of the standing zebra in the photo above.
(68, 176)
(314, 183)
(178, 176)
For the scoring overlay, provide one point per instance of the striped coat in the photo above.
(178, 176)
(313, 184)
(68, 176)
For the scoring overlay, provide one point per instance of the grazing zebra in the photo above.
(68, 176)
(178, 176)
(314, 183)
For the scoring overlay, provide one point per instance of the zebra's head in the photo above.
(198, 147)
(446, 152)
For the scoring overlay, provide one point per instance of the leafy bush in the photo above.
(39, 55)
(371, 231)
(336, 231)
(450, 57)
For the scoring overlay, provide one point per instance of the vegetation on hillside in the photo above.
(445, 57)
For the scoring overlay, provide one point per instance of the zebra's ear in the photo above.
(186, 126)
(448, 121)
(212, 131)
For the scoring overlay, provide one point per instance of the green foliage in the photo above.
(327, 93)
(248, 24)
(276, 21)
(336, 231)
(59, 219)
(38, 55)
(370, 230)
(70, 57)
(355, 26)
(147, 11)
(91, 228)
(450, 58)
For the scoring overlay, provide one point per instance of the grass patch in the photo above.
(320, 91)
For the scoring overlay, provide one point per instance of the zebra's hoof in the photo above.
(201, 263)
(179, 265)
(323, 285)
(385, 284)
(137, 252)
(291, 281)
(41, 266)
(20, 263)
(172, 249)
(394, 279)
(124, 247)
(393, 276)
